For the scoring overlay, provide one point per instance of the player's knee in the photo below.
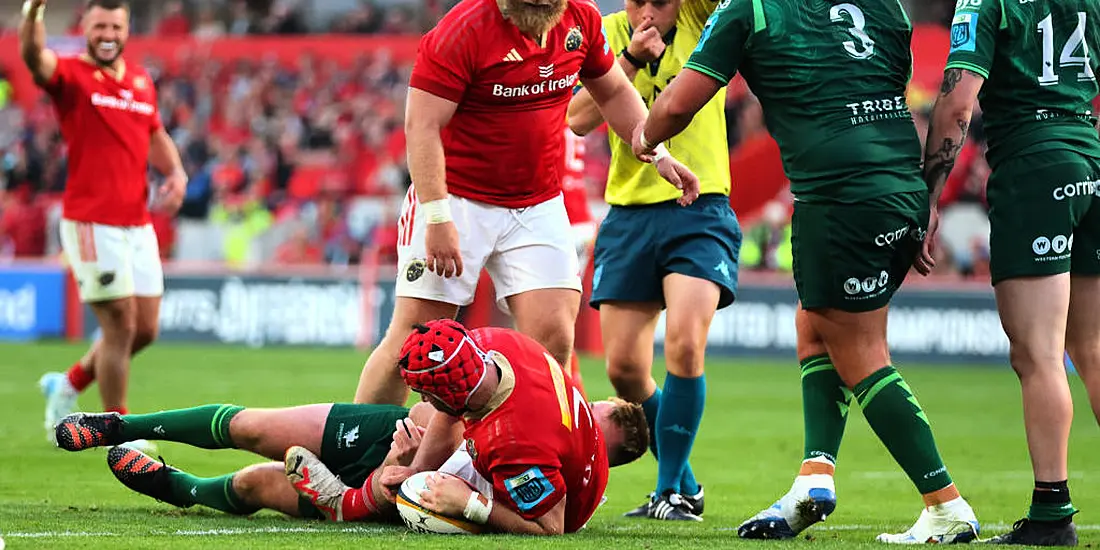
(1085, 353)
(557, 339)
(145, 333)
(629, 377)
(249, 483)
(245, 431)
(685, 353)
(118, 321)
(1034, 360)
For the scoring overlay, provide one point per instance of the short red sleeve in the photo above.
(599, 58)
(530, 490)
(444, 65)
(155, 123)
(62, 77)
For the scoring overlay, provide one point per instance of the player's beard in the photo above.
(532, 19)
(93, 52)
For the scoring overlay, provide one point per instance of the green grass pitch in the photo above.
(748, 448)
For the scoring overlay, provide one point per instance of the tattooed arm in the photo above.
(948, 128)
(946, 135)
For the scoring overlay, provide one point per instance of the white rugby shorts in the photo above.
(523, 249)
(113, 262)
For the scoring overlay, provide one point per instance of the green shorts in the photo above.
(1044, 215)
(854, 256)
(356, 441)
(638, 246)
(357, 438)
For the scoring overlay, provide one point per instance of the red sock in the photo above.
(120, 410)
(358, 504)
(79, 377)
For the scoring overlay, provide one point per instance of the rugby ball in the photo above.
(422, 520)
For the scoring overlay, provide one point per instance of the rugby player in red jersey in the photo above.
(485, 122)
(534, 449)
(111, 126)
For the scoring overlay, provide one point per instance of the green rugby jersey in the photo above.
(1036, 57)
(831, 77)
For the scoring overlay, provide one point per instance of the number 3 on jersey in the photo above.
(1068, 58)
(866, 47)
(579, 404)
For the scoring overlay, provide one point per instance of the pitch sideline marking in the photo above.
(379, 530)
(194, 532)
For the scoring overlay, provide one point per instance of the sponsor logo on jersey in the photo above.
(964, 32)
(1079, 189)
(529, 489)
(350, 437)
(573, 39)
(545, 86)
(1059, 245)
(895, 235)
(868, 287)
(546, 71)
(873, 110)
(513, 56)
(415, 270)
(345, 439)
(123, 103)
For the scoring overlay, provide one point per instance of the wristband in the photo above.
(660, 152)
(637, 63)
(438, 211)
(645, 142)
(38, 16)
(478, 508)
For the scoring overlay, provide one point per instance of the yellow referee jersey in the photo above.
(702, 147)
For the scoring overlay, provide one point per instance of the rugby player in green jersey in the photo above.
(831, 78)
(652, 254)
(1029, 63)
(354, 441)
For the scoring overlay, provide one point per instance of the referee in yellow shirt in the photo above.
(652, 254)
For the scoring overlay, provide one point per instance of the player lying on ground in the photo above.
(537, 453)
(831, 78)
(1045, 160)
(107, 109)
(352, 440)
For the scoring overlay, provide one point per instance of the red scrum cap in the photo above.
(441, 360)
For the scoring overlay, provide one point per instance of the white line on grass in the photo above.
(856, 527)
(376, 530)
(193, 532)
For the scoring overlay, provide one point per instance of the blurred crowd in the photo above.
(305, 164)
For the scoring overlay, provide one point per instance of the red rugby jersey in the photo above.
(504, 145)
(542, 442)
(106, 124)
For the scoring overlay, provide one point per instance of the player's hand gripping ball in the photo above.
(417, 515)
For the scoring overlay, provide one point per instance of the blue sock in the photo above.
(677, 422)
(651, 406)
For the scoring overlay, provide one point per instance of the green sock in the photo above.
(206, 427)
(212, 492)
(1050, 502)
(894, 414)
(825, 401)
